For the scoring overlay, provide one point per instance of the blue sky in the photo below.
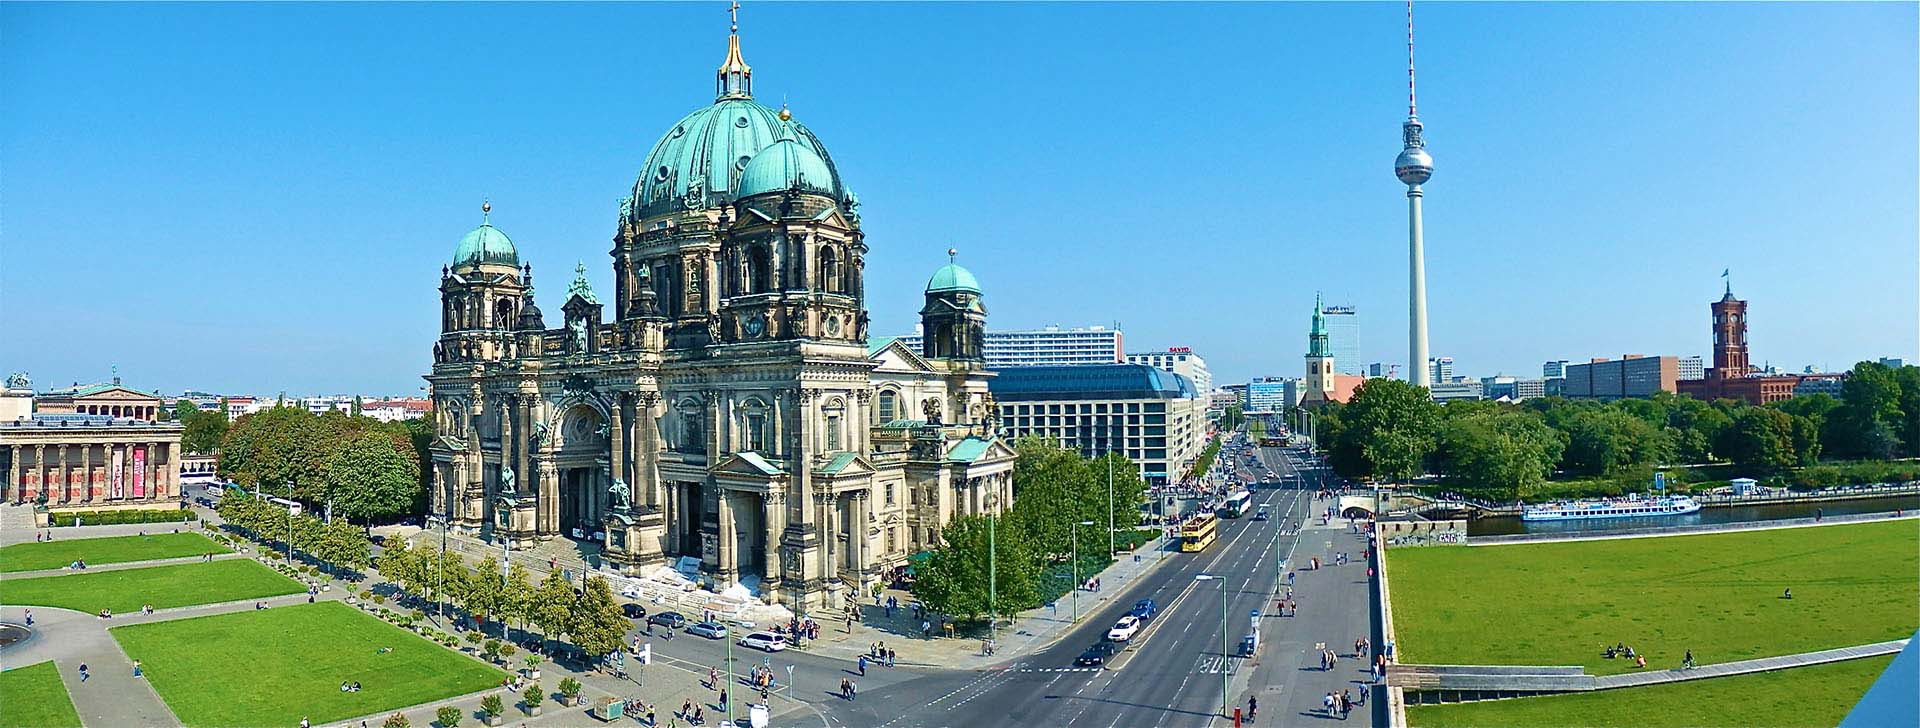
(254, 198)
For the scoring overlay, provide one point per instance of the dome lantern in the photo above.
(485, 245)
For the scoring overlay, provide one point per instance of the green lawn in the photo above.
(1717, 594)
(33, 696)
(1804, 696)
(111, 550)
(276, 666)
(176, 585)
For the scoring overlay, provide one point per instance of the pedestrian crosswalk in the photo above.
(1213, 665)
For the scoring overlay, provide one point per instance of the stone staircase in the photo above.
(16, 520)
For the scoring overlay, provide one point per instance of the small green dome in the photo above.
(787, 165)
(952, 277)
(698, 163)
(486, 244)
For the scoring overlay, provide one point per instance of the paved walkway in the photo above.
(12, 536)
(112, 696)
(1742, 667)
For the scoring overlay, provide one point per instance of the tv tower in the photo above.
(1414, 167)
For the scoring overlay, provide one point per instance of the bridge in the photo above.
(1415, 504)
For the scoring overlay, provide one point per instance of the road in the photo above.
(1171, 675)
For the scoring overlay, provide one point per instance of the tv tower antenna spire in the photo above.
(1414, 167)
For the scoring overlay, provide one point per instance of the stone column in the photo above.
(549, 509)
(152, 471)
(729, 566)
(66, 477)
(12, 486)
(647, 444)
(40, 470)
(617, 436)
(87, 493)
(509, 411)
(773, 507)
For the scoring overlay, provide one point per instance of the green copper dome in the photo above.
(787, 165)
(486, 244)
(952, 277)
(699, 162)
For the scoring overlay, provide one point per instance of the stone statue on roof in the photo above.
(622, 496)
(19, 380)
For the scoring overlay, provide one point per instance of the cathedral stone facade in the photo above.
(729, 407)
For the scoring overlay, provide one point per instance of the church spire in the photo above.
(734, 80)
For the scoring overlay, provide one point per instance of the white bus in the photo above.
(1236, 505)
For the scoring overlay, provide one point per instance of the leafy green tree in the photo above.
(552, 605)
(1127, 493)
(954, 578)
(373, 476)
(397, 720)
(1511, 451)
(484, 592)
(1907, 424)
(399, 563)
(181, 409)
(1048, 480)
(517, 599)
(1605, 441)
(203, 431)
(1759, 437)
(447, 716)
(345, 547)
(354, 409)
(597, 626)
(1692, 426)
(491, 705)
(1393, 424)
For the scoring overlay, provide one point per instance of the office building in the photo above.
(1153, 417)
(1180, 360)
(1691, 367)
(1440, 369)
(1553, 369)
(1892, 362)
(1832, 385)
(1512, 389)
(1272, 394)
(1450, 391)
(1343, 338)
(1322, 384)
(1632, 375)
(1048, 346)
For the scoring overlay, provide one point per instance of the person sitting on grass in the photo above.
(1640, 661)
(343, 687)
(1788, 594)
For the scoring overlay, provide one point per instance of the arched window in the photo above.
(830, 275)
(889, 406)
(834, 416)
(759, 270)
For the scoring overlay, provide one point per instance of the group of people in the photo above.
(77, 564)
(878, 653)
(849, 689)
(350, 687)
(1339, 704)
(796, 629)
(692, 714)
(1621, 649)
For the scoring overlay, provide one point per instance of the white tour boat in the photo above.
(1630, 507)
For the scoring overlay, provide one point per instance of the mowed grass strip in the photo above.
(176, 585)
(108, 550)
(34, 696)
(1718, 595)
(1818, 695)
(276, 666)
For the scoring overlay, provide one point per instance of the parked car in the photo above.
(634, 611)
(670, 620)
(1124, 629)
(1144, 609)
(764, 641)
(709, 630)
(1098, 654)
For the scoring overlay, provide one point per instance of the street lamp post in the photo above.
(993, 568)
(1110, 549)
(729, 685)
(289, 524)
(1223, 637)
(1076, 569)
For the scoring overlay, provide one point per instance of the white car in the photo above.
(1124, 629)
(764, 641)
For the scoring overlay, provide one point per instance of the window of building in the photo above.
(889, 406)
(890, 500)
(756, 431)
(833, 431)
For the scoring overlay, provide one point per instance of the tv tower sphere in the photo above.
(1414, 166)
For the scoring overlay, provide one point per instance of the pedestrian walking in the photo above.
(83, 672)
(863, 666)
(1327, 702)
(29, 618)
(1688, 662)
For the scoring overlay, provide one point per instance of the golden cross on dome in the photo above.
(733, 16)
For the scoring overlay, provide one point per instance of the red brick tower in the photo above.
(1729, 337)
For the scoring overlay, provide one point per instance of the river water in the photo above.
(1504, 525)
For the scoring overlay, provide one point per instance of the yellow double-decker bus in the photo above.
(1198, 533)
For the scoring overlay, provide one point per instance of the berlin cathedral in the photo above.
(732, 409)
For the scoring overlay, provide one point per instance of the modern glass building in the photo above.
(1047, 346)
(1343, 336)
(1155, 418)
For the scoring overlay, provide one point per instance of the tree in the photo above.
(518, 598)
(397, 720)
(1049, 482)
(1759, 437)
(552, 605)
(373, 476)
(1693, 426)
(399, 563)
(1393, 424)
(1605, 441)
(597, 625)
(181, 408)
(354, 410)
(533, 695)
(203, 431)
(448, 576)
(1127, 492)
(492, 705)
(1511, 451)
(483, 593)
(954, 578)
(447, 716)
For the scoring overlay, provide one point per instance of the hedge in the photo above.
(114, 517)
